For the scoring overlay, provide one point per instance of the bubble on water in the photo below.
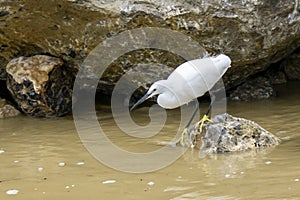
(67, 187)
(180, 178)
(296, 179)
(40, 169)
(227, 175)
(16, 161)
(151, 183)
(62, 164)
(80, 163)
(12, 192)
(268, 162)
(108, 181)
(1, 151)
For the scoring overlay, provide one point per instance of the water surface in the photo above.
(31, 150)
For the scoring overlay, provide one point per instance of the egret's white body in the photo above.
(190, 80)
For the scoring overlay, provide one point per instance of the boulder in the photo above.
(231, 134)
(40, 85)
(7, 110)
(253, 33)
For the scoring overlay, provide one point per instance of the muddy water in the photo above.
(32, 150)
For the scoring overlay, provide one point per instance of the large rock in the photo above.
(253, 33)
(40, 85)
(231, 134)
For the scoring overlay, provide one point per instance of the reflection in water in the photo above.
(29, 145)
(232, 165)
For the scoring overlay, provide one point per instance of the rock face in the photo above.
(231, 134)
(7, 110)
(291, 66)
(40, 85)
(253, 33)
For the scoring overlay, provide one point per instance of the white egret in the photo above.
(190, 80)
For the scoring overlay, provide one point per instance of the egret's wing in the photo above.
(194, 78)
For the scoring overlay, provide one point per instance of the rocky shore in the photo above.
(49, 40)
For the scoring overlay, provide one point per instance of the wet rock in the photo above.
(253, 33)
(40, 85)
(258, 88)
(291, 66)
(7, 110)
(231, 134)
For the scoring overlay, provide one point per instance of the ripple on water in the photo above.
(177, 188)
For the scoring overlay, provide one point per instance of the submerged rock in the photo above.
(258, 88)
(7, 110)
(231, 134)
(40, 85)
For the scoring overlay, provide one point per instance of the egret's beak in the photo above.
(144, 98)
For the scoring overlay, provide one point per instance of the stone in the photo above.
(7, 110)
(291, 66)
(253, 89)
(253, 33)
(231, 134)
(41, 85)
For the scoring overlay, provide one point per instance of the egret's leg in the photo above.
(205, 117)
(186, 128)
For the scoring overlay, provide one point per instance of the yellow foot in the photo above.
(202, 121)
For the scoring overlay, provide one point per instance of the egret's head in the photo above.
(222, 60)
(155, 89)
